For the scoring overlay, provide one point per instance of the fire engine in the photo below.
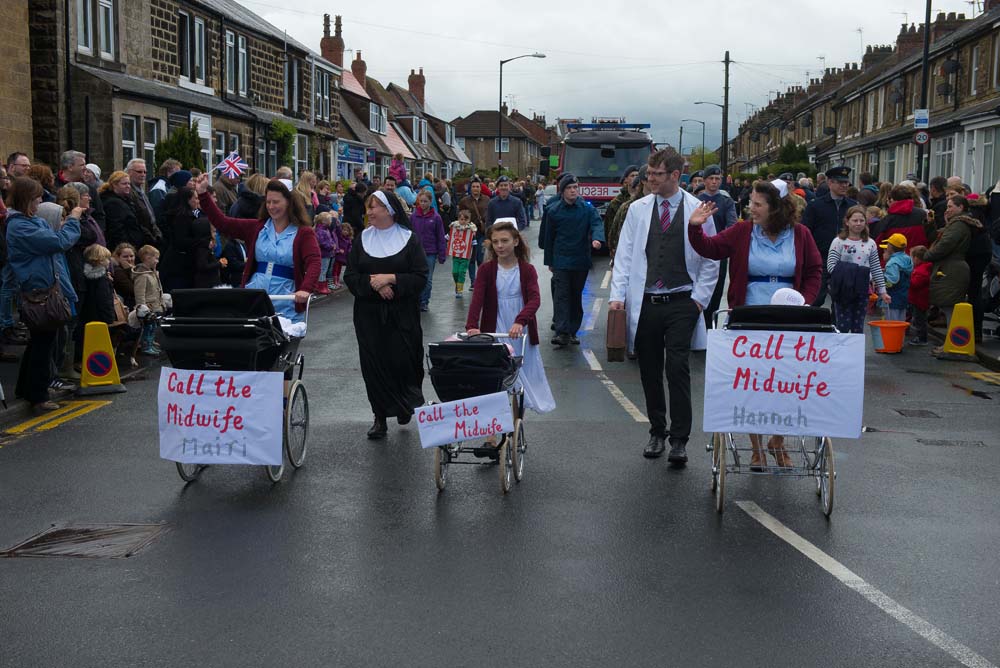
(597, 153)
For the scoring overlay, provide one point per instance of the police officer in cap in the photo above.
(824, 217)
(724, 216)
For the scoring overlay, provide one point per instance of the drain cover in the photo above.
(916, 413)
(951, 444)
(98, 541)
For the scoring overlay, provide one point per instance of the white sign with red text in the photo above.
(599, 191)
(470, 419)
(221, 417)
(792, 383)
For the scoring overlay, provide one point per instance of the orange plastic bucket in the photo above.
(888, 335)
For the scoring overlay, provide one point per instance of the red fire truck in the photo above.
(597, 154)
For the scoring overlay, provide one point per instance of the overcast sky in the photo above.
(649, 65)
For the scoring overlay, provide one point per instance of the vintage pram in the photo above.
(238, 330)
(812, 455)
(470, 367)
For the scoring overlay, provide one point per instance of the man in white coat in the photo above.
(664, 285)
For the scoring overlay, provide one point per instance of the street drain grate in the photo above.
(951, 444)
(95, 541)
(917, 413)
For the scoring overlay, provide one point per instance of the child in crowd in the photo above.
(461, 234)
(397, 169)
(345, 239)
(98, 298)
(235, 255)
(148, 297)
(207, 265)
(327, 250)
(854, 246)
(898, 267)
(506, 299)
(919, 294)
(323, 194)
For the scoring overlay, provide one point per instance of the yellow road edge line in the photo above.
(33, 422)
(82, 410)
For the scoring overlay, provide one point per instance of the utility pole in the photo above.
(924, 82)
(680, 148)
(724, 158)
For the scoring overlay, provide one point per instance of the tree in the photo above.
(792, 153)
(283, 134)
(183, 145)
(695, 162)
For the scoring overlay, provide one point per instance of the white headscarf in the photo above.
(781, 186)
(380, 196)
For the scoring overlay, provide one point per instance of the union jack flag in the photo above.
(232, 166)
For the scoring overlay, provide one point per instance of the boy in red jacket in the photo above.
(919, 294)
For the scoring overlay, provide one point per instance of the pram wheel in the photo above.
(826, 476)
(189, 472)
(722, 441)
(518, 447)
(441, 460)
(717, 439)
(296, 424)
(506, 462)
(274, 473)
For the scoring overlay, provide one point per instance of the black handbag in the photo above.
(45, 309)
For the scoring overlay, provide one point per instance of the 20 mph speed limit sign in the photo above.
(921, 137)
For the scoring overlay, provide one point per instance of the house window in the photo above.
(378, 120)
(184, 44)
(301, 156)
(881, 107)
(244, 65)
(461, 142)
(501, 145)
(261, 164)
(199, 50)
(220, 149)
(449, 135)
(889, 173)
(974, 70)
(129, 131)
(106, 28)
(150, 135)
(230, 62)
(84, 26)
(988, 167)
(292, 73)
(423, 131)
(272, 148)
(945, 155)
(996, 62)
(234, 143)
(321, 109)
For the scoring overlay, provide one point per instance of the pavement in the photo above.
(599, 557)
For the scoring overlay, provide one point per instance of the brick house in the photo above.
(137, 70)
(16, 127)
(862, 116)
(477, 136)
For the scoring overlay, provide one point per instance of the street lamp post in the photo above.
(724, 158)
(695, 120)
(500, 109)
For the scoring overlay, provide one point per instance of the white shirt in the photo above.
(383, 243)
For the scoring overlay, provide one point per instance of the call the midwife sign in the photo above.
(793, 383)
(470, 419)
(220, 417)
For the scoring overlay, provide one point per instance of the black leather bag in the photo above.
(45, 309)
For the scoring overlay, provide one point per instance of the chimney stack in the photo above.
(415, 84)
(360, 70)
(332, 48)
(910, 40)
(945, 24)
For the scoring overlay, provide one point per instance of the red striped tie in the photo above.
(664, 224)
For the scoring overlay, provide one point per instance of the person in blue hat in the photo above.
(824, 217)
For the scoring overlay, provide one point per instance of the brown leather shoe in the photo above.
(43, 407)
(776, 446)
(758, 460)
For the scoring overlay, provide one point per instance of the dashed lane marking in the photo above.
(607, 280)
(69, 410)
(595, 311)
(613, 389)
(917, 624)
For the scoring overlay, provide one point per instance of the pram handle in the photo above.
(289, 298)
(499, 335)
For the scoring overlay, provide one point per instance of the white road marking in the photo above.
(594, 313)
(917, 624)
(613, 389)
(607, 280)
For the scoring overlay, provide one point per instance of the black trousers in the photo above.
(567, 299)
(665, 331)
(821, 296)
(35, 374)
(977, 267)
(720, 286)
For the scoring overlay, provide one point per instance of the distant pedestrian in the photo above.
(428, 228)
(919, 294)
(858, 253)
(898, 267)
(461, 236)
(824, 217)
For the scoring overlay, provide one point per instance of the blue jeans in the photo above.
(7, 293)
(425, 296)
(324, 269)
(476, 259)
(895, 314)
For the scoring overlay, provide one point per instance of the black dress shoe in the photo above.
(575, 341)
(379, 429)
(655, 447)
(678, 454)
(404, 419)
(560, 340)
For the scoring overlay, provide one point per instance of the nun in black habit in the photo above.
(386, 272)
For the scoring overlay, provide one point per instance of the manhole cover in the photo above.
(951, 444)
(99, 541)
(916, 413)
